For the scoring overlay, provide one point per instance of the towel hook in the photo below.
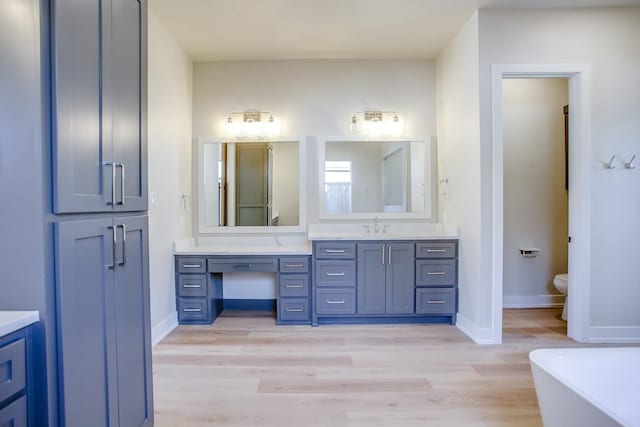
(610, 164)
(630, 165)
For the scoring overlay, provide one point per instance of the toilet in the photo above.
(561, 282)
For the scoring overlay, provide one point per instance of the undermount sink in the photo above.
(395, 231)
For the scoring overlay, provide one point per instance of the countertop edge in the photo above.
(11, 321)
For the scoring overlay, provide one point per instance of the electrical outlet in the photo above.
(154, 198)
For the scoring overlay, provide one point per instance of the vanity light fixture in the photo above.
(253, 124)
(377, 123)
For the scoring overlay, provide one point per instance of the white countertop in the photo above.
(401, 231)
(193, 247)
(11, 321)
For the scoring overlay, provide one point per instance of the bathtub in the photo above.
(586, 387)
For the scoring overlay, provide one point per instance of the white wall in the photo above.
(535, 199)
(605, 38)
(169, 127)
(459, 153)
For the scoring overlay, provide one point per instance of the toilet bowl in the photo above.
(561, 282)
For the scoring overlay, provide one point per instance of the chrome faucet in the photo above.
(386, 227)
(366, 228)
(376, 228)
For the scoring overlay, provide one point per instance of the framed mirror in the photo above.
(250, 186)
(364, 178)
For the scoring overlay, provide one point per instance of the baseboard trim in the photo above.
(479, 335)
(249, 304)
(532, 301)
(614, 334)
(164, 328)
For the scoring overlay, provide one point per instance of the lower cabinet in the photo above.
(14, 373)
(104, 334)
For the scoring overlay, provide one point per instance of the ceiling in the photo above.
(227, 30)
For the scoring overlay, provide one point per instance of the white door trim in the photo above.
(579, 76)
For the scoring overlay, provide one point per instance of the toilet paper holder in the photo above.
(529, 252)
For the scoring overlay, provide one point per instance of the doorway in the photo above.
(578, 76)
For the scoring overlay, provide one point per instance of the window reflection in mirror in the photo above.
(375, 177)
(251, 184)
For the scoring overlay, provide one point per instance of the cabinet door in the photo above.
(127, 70)
(82, 180)
(371, 278)
(252, 183)
(133, 331)
(400, 275)
(86, 322)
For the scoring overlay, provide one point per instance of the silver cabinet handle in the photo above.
(335, 302)
(191, 286)
(294, 265)
(335, 274)
(389, 254)
(190, 265)
(113, 181)
(192, 310)
(334, 251)
(382, 255)
(436, 301)
(436, 250)
(436, 273)
(243, 266)
(121, 166)
(124, 244)
(114, 242)
(293, 286)
(294, 310)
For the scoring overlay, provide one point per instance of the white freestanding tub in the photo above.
(584, 387)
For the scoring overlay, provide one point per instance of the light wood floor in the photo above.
(246, 371)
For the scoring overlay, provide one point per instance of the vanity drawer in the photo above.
(436, 250)
(15, 415)
(436, 272)
(293, 309)
(250, 265)
(193, 309)
(294, 265)
(335, 250)
(435, 300)
(192, 285)
(13, 377)
(192, 265)
(294, 285)
(335, 273)
(336, 301)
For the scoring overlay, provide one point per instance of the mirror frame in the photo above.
(267, 229)
(430, 213)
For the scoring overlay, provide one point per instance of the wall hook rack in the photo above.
(630, 165)
(610, 164)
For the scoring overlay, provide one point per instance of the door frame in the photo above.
(580, 159)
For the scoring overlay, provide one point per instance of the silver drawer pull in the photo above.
(334, 251)
(436, 273)
(436, 301)
(191, 265)
(335, 274)
(191, 286)
(192, 310)
(335, 302)
(436, 250)
(293, 286)
(294, 265)
(243, 266)
(294, 310)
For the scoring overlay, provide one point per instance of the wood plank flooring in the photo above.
(245, 371)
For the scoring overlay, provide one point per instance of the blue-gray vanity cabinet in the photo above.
(294, 290)
(16, 379)
(104, 343)
(99, 109)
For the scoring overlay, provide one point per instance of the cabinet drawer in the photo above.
(333, 250)
(250, 265)
(436, 250)
(335, 273)
(335, 301)
(293, 309)
(15, 415)
(12, 369)
(435, 301)
(191, 265)
(294, 265)
(436, 272)
(192, 285)
(193, 309)
(294, 285)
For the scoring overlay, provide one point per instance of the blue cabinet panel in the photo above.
(400, 278)
(371, 278)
